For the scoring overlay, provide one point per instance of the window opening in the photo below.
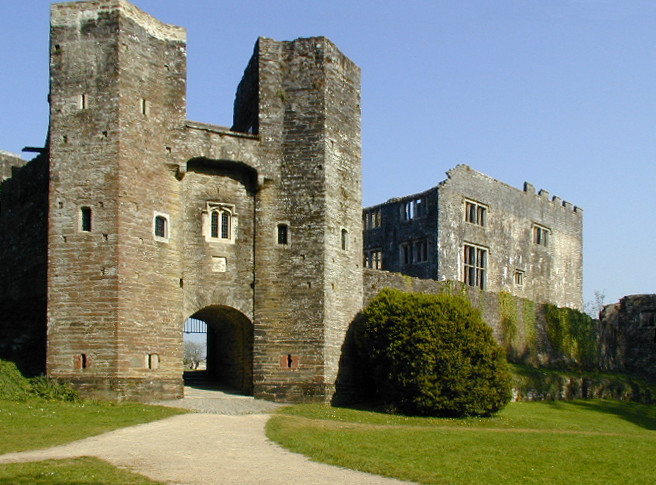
(215, 225)
(406, 253)
(519, 278)
(345, 240)
(85, 219)
(541, 235)
(225, 225)
(475, 266)
(83, 102)
(421, 251)
(152, 361)
(283, 234)
(475, 213)
(161, 227)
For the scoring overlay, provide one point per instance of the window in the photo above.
(283, 234)
(81, 361)
(407, 211)
(225, 225)
(475, 213)
(519, 277)
(85, 219)
(83, 101)
(219, 222)
(152, 361)
(345, 240)
(406, 253)
(541, 235)
(421, 251)
(374, 259)
(475, 266)
(145, 107)
(420, 208)
(372, 219)
(412, 209)
(161, 227)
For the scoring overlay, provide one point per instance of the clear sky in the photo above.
(560, 93)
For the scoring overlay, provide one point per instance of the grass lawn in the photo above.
(38, 423)
(88, 471)
(582, 442)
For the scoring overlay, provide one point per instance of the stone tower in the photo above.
(153, 218)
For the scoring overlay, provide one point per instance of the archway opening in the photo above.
(228, 346)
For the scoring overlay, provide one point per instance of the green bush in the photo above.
(47, 388)
(432, 355)
(13, 386)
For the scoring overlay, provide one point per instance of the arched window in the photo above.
(161, 227)
(345, 239)
(214, 231)
(219, 222)
(225, 225)
(85, 219)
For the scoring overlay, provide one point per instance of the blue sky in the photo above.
(560, 93)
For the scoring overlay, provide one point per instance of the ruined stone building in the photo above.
(478, 230)
(133, 219)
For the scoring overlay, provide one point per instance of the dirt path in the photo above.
(204, 448)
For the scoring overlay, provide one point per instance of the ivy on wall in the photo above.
(572, 334)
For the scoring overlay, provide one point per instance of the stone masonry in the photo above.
(476, 229)
(256, 229)
(134, 219)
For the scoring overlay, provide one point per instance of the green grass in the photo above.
(583, 442)
(87, 471)
(39, 423)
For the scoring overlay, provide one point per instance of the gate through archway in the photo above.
(229, 339)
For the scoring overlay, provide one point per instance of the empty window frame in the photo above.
(374, 259)
(519, 277)
(475, 265)
(412, 209)
(405, 253)
(283, 234)
(372, 219)
(161, 227)
(85, 219)
(475, 213)
(541, 235)
(345, 240)
(421, 251)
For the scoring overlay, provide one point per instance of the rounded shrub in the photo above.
(432, 355)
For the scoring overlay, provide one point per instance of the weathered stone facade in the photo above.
(476, 229)
(627, 337)
(256, 229)
(9, 161)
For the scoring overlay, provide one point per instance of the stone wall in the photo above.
(424, 235)
(518, 324)
(7, 162)
(23, 252)
(628, 336)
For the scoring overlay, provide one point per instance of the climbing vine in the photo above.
(572, 334)
(509, 319)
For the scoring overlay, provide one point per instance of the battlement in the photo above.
(76, 13)
(544, 194)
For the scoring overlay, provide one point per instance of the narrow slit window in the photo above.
(215, 225)
(345, 240)
(283, 234)
(225, 225)
(83, 102)
(85, 219)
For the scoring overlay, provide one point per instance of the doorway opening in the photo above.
(220, 340)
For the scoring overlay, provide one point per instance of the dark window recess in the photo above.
(85, 222)
(283, 234)
(215, 225)
(160, 226)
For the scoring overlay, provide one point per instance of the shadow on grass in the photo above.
(639, 414)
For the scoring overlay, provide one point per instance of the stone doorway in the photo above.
(229, 339)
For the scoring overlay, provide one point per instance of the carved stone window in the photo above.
(219, 222)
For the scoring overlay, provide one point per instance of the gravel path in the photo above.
(224, 443)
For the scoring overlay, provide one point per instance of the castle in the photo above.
(132, 219)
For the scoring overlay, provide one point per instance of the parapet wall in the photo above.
(9, 161)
